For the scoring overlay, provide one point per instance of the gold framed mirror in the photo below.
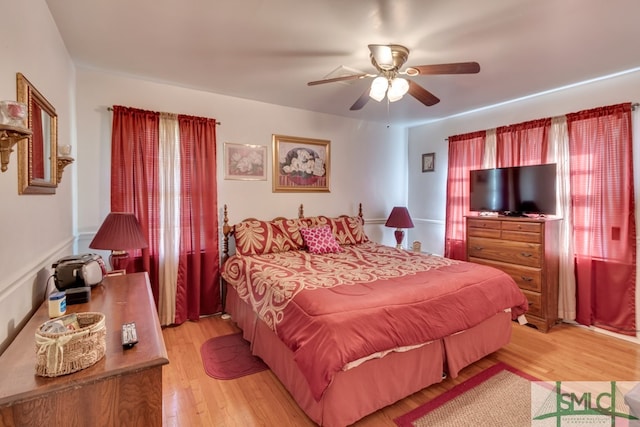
(37, 158)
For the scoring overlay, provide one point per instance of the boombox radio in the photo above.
(79, 270)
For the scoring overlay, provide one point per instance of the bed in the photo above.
(350, 326)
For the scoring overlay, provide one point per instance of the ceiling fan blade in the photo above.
(383, 55)
(340, 79)
(454, 68)
(362, 101)
(422, 95)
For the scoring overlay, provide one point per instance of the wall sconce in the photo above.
(9, 136)
(12, 129)
(63, 160)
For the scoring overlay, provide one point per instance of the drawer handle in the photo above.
(527, 279)
(526, 254)
(477, 248)
(531, 304)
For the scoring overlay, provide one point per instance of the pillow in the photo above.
(254, 237)
(348, 230)
(317, 221)
(291, 229)
(320, 240)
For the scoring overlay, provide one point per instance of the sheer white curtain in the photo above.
(490, 155)
(559, 153)
(168, 251)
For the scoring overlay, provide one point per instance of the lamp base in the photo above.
(399, 236)
(119, 260)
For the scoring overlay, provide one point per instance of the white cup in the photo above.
(64, 150)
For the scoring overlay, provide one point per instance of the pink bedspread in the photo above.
(336, 308)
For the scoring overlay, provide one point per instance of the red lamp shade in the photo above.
(399, 218)
(119, 231)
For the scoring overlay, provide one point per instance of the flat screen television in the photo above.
(514, 191)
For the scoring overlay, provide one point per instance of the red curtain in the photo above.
(135, 188)
(465, 154)
(603, 217)
(134, 180)
(523, 144)
(198, 291)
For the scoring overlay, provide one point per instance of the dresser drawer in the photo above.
(521, 236)
(520, 231)
(529, 227)
(535, 303)
(528, 254)
(483, 223)
(484, 232)
(527, 278)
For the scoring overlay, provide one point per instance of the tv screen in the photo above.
(515, 190)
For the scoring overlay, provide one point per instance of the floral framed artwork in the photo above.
(428, 162)
(300, 164)
(245, 162)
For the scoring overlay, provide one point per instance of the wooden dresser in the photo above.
(527, 250)
(123, 388)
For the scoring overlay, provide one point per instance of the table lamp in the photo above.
(400, 219)
(119, 231)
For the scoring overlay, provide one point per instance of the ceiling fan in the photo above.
(388, 59)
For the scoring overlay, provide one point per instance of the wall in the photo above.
(367, 160)
(35, 230)
(427, 191)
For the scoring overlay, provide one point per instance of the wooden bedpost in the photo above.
(300, 212)
(226, 230)
(360, 212)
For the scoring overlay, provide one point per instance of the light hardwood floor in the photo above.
(191, 398)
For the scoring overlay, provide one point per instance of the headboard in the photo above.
(228, 230)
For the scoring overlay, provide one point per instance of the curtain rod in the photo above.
(111, 109)
(633, 107)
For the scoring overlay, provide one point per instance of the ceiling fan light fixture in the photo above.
(388, 60)
(399, 87)
(379, 87)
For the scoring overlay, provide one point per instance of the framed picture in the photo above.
(300, 164)
(428, 162)
(245, 161)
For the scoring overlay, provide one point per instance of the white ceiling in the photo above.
(267, 50)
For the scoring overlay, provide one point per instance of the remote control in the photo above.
(129, 335)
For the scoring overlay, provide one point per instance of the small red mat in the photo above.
(229, 357)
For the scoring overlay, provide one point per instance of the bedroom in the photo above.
(37, 230)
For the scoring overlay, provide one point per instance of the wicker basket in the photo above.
(63, 353)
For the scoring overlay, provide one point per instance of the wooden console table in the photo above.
(123, 388)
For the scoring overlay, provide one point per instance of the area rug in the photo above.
(228, 357)
(497, 396)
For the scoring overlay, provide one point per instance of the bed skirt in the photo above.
(376, 383)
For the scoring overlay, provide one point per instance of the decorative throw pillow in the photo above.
(349, 230)
(320, 240)
(291, 229)
(254, 237)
